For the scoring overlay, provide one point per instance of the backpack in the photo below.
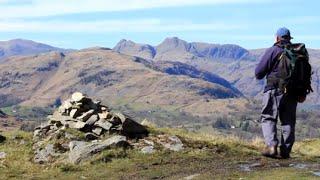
(294, 71)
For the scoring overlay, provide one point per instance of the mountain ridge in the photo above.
(231, 62)
(175, 48)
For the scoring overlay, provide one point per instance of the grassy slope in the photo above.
(206, 156)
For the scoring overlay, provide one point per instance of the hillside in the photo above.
(20, 47)
(120, 80)
(204, 157)
(231, 62)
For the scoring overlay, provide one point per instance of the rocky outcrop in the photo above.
(80, 150)
(82, 127)
(86, 115)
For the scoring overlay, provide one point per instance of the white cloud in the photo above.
(40, 8)
(139, 25)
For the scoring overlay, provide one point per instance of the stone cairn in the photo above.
(101, 129)
(91, 117)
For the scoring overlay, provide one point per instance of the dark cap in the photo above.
(284, 33)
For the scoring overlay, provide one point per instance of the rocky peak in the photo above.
(135, 49)
(123, 44)
(171, 44)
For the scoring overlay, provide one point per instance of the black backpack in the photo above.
(294, 70)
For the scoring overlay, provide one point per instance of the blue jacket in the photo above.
(267, 62)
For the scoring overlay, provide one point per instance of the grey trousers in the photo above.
(276, 105)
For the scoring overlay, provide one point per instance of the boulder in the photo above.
(104, 124)
(147, 150)
(94, 118)
(76, 124)
(103, 115)
(85, 116)
(97, 130)
(77, 97)
(173, 143)
(133, 129)
(74, 113)
(79, 153)
(44, 155)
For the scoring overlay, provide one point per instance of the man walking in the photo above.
(276, 102)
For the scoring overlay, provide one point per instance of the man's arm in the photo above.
(265, 64)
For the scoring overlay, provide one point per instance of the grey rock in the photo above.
(3, 155)
(77, 97)
(76, 124)
(44, 155)
(97, 130)
(85, 116)
(103, 115)
(174, 144)
(104, 124)
(80, 153)
(36, 133)
(147, 150)
(74, 113)
(93, 119)
(75, 145)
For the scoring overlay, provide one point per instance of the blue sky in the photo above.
(84, 23)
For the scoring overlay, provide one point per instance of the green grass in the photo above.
(210, 156)
(28, 113)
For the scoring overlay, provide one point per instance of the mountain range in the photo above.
(231, 62)
(172, 81)
(150, 89)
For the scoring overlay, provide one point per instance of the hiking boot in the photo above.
(284, 153)
(270, 151)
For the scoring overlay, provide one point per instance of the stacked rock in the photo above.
(82, 113)
(102, 130)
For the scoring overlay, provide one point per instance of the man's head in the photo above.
(283, 34)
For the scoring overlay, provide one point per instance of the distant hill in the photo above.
(20, 47)
(180, 50)
(121, 81)
(231, 62)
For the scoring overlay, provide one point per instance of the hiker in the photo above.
(281, 94)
